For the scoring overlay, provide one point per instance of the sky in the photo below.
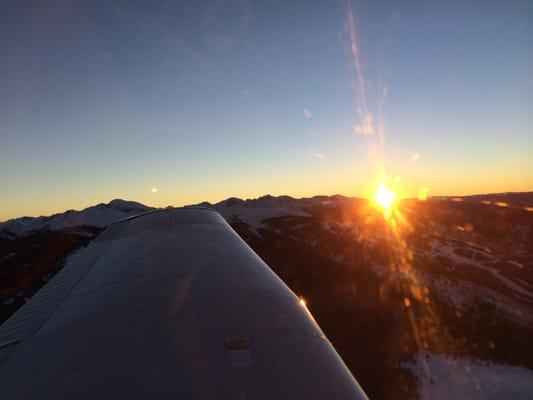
(175, 102)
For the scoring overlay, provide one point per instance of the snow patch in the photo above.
(446, 377)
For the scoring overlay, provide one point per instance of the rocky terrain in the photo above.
(435, 303)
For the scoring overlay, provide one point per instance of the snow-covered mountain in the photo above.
(254, 211)
(99, 216)
(250, 211)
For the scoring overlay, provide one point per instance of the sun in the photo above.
(385, 198)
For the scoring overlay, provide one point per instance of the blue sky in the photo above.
(209, 99)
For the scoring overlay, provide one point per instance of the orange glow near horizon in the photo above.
(33, 203)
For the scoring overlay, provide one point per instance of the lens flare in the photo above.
(385, 198)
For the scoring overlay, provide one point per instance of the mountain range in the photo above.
(101, 215)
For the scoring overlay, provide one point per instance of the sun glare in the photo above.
(384, 198)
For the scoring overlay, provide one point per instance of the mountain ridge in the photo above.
(103, 214)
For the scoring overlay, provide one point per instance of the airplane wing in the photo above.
(169, 304)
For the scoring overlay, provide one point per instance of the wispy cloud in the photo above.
(317, 154)
(415, 156)
(307, 113)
